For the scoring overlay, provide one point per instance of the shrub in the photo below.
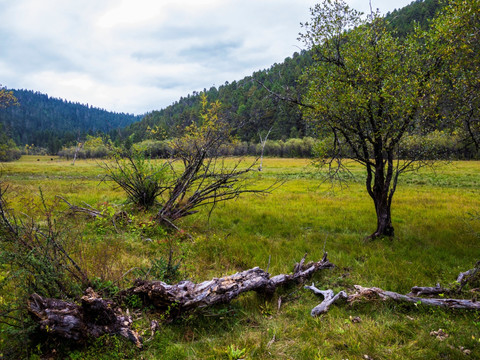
(8, 150)
(143, 181)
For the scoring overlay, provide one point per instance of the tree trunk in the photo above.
(187, 295)
(384, 217)
(382, 195)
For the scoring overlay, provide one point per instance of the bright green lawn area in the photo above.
(437, 236)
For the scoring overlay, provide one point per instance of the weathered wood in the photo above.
(88, 210)
(96, 316)
(465, 277)
(362, 293)
(428, 290)
(93, 318)
(329, 299)
(188, 295)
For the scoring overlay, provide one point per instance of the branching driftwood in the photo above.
(329, 299)
(366, 294)
(96, 316)
(93, 318)
(188, 295)
(88, 210)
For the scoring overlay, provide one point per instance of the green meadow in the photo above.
(436, 215)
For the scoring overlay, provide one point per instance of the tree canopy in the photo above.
(366, 88)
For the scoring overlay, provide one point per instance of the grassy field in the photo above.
(437, 225)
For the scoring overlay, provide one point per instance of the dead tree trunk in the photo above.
(96, 316)
(329, 298)
(188, 295)
(263, 142)
(93, 318)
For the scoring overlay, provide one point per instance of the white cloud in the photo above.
(140, 55)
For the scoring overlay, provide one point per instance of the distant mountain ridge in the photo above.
(51, 122)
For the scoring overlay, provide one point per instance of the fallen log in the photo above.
(362, 293)
(369, 294)
(468, 276)
(366, 294)
(188, 295)
(96, 316)
(93, 318)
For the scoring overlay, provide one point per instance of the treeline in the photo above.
(420, 12)
(51, 123)
(435, 145)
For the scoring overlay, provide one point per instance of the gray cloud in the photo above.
(140, 55)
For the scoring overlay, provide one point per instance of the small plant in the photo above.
(133, 301)
(106, 287)
(235, 353)
(266, 309)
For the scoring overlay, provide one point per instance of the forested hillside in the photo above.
(246, 103)
(51, 123)
(251, 107)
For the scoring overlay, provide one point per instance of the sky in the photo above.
(136, 56)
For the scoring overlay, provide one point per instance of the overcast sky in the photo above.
(137, 56)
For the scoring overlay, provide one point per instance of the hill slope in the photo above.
(51, 122)
(250, 107)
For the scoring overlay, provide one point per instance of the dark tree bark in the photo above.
(93, 318)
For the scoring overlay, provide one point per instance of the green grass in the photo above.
(435, 240)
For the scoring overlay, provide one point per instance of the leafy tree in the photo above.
(8, 148)
(366, 88)
(455, 38)
(7, 98)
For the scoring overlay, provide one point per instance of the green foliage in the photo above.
(454, 39)
(419, 13)
(32, 260)
(163, 270)
(8, 149)
(234, 353)
(98, 147)
(143, 181)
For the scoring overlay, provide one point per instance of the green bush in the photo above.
(8, 150)
(142, 180)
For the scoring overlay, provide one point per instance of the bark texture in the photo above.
(96, 316)
(93, 318)
(188, 295)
